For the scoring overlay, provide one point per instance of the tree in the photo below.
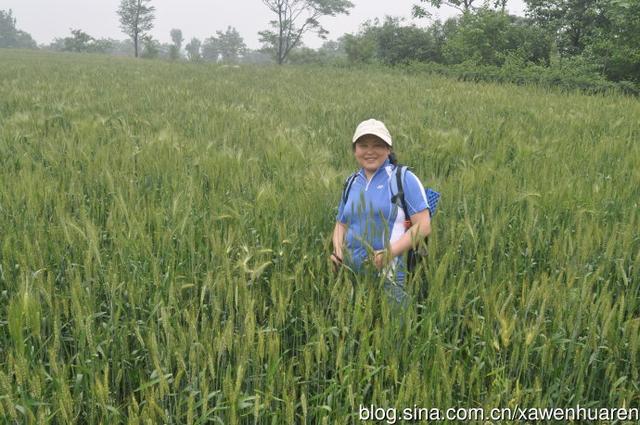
(79, 42)
(573, 22)
(150, 48)
(7, 29)
(176, 37)
(193, 50)
(615, 46)
(11, 36)
(294, 18)
(329, 52)
(363, 46)
(391, 43)
(211, 49)
(490, 37)
(136, 19)
(463, 6)
(402, 44)
(230, 44)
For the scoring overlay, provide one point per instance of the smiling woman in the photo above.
(371, 228)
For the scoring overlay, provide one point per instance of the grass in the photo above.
(164, 233)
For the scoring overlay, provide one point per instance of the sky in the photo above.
(48, 19)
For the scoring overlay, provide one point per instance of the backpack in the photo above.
(413, 255)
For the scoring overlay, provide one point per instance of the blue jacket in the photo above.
(374, 221)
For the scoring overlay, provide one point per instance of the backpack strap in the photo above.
(401, 170)
(432, 196)
(347, 186)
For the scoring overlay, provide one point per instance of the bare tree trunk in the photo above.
(280, 36)
(137, 29)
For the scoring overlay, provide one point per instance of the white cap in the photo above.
(375, 127)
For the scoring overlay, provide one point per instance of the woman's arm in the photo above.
(339, 231)
(420, 229)
(338, 237)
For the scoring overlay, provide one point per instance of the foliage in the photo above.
(331, 52)
(176, 38)
(211, 49)
(257, 57)
(11, 36)
(616, 46)
(361, 48)
(228, 45)
(399, 44)
(464, 6)
(136, 20)
(193, 50)
(390, 43)
(576, 73)
(574, 21)
(488, 37)
(294, 18)
(150, 48)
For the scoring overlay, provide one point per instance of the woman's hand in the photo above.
(336, 261)
(381, 258)
(339, 231)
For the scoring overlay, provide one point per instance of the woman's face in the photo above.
(371, 152)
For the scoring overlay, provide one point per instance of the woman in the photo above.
(370, 228)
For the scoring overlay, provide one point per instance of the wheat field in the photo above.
(165, 229)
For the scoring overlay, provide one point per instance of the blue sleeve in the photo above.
(414, 194)
(340, 217)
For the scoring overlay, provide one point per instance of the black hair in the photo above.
(393, 159)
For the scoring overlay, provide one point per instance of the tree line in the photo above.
(598, 36)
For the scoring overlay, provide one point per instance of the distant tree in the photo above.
(294, 18)
(11, 36)
(441, 33)
(361, 47)
(615, 45)
(57, 45)
(25, 41)
(193, 50)
(462, 5)
(329, 52)
(257, 57)
(211, 49)
(231, 45)
(306, 55)
(333, 49)
(102, 45)
(121, 47)
(573, 22)
(402, 44)
(79, 42)
(490, 37)
(391, 43)
(136, 19)
(150, 48)
(7, 29)
(176, 37)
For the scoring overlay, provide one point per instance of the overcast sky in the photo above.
(48, 19)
